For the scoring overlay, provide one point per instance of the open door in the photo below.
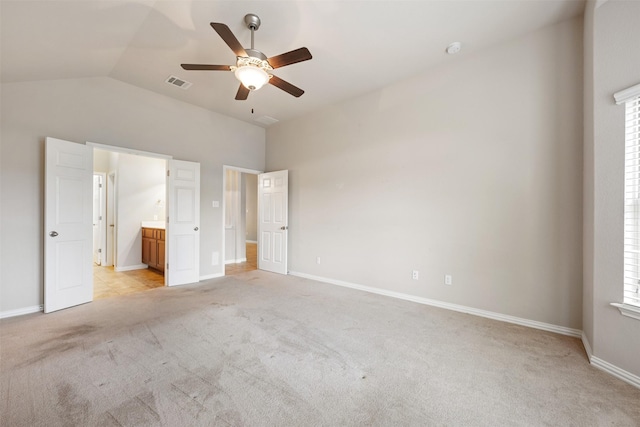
(98, 219)
(273, 204)
(183, 224)
(68, 242)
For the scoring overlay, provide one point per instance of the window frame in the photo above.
(630, 305)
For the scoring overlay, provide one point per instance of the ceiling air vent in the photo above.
(266, 120)
(182, 84)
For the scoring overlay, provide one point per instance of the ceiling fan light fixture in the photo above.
(252, 72)
(252, 77)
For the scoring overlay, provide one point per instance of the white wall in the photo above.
(472, 169)
(614, 65)
(106, 111)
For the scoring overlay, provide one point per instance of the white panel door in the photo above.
(183, 224)
(273, 202)
(68, 276)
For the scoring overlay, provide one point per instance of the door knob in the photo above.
(53, 234)
(196, 229)
(284, 227)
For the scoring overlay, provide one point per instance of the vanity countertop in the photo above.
(153, 224)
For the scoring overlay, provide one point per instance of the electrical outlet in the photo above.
(318, 260)
(448, 279)
(415, 274)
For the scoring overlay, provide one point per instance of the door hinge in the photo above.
(99, 185)
(167, 266)
(168, 172)
(99, 251)
(100, 218)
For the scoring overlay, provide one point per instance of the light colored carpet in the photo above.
(260, 349)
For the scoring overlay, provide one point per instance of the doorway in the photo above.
(122, 207)
(240, 204)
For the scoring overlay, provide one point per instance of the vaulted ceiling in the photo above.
(357, 46)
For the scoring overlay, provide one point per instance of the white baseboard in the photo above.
(625, 376)
(211, 276)
(21, 311)
(587, 346)
(132, 267)
(449, 306)
(235, 261)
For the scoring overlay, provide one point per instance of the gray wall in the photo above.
(614, 66)
(588, 177)
(106, 111)
(472, 169)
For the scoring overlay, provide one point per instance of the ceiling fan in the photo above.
(253, 68)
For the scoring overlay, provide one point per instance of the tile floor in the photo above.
(250, 265)
(107, 282)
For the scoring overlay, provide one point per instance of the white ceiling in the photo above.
(357, 46)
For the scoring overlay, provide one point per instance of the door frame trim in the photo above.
(102, 228)
(113, 208)
(125, 150)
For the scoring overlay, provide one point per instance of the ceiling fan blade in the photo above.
(242, 94)
(286, 86)
(289, 58)
(225, 33)
(205, 67)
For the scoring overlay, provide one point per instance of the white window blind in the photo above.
(632, 203)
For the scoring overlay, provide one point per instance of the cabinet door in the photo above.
(153, 253)
(146, 249)
(160, 250)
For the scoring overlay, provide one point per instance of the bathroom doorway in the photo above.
(129, 194)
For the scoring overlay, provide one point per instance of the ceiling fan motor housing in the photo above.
(256, 54)
(252, 21)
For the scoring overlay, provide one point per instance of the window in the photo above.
(631, 99)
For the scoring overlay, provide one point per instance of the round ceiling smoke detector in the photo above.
(454, 48)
